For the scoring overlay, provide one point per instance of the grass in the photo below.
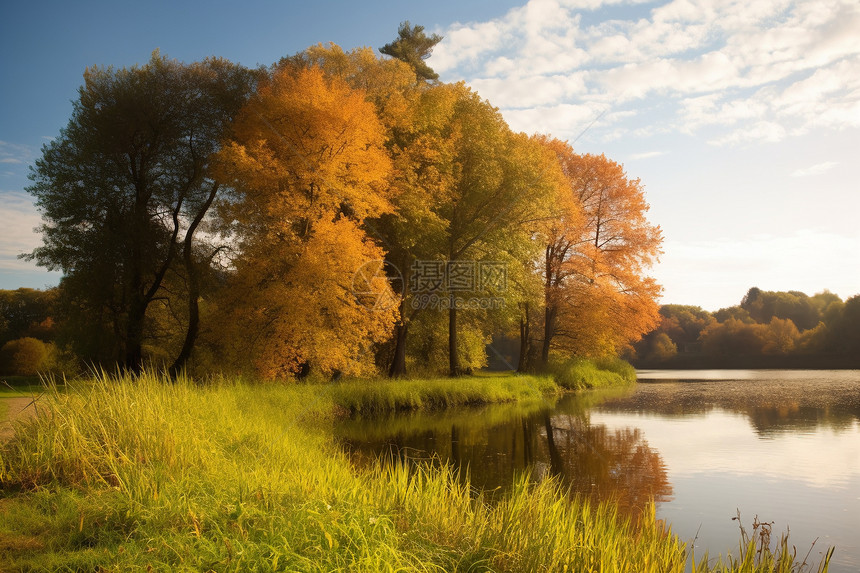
(371, 397)
(142, 474)
(585, 374)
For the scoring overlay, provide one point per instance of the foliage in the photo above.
(307, 162)
(662, 348)
(320, 168)
(123, 189)
(413, 46)
(756, 328)
(792, 305)
(26, 357)
(27, 312)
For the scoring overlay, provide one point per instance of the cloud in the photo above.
(816, 169)
(14, 154)
(756, 70)
(17, 236)
(647, 155)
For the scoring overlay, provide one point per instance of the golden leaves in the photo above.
(307, 156)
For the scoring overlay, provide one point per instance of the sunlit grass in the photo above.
(130, 474)
(582, 374)
(382, 396)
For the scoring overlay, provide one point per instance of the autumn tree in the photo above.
(413, 46)
(307, 162)
(597, 296)
(412, 113)
(125, 187)
(734, 338)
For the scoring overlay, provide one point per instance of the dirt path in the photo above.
(15, 409)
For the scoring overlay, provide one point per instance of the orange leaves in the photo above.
(598, 249)
(305, 146)
(307, 157)
(308, 312)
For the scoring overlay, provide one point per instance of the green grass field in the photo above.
(118, 475)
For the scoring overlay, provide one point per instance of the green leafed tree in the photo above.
(124, 189)
(413, 46)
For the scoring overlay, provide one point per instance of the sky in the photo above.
(741, 118)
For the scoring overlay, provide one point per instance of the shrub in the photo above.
(26, 356)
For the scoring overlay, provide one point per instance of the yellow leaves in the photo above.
(318, 316)
(308, 159)
(308, 144)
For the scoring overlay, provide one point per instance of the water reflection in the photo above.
(782, 445)
(775, 401)
(540, 439)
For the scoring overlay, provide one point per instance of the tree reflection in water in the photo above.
(588, 459)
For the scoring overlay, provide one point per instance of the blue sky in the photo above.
(741, 118)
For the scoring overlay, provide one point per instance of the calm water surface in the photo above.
(780, 445)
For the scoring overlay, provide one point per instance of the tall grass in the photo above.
(142, 474)
(368, 397)
(583, 374)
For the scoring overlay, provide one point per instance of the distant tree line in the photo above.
(767, 328)
(211, 217)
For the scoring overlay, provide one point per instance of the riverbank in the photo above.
(129, 474)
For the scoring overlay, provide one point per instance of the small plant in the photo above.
(756, 554)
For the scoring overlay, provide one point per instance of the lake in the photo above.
(779, 445)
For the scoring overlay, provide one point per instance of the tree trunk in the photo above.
(401, 329)
(453, 358)
(134, 338)
(555, 462)
(191, 270)
(193, 316)
(548, 333)
(525, 340)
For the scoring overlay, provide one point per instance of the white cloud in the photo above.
(14, 154)
(19, 218)
(816, 169)
(761, 70)
(647, 154)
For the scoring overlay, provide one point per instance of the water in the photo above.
(780, 445)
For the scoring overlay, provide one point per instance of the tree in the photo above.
(125, 187)
(794, 305)
(502, 182)
(27, 312)
(782, 337)
(734, 338)
(597, 297)
(413, 46)
(306, 159)
(662, 348)
(406, 108)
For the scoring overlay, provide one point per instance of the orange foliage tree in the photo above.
(306, 159)
(597, 296)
